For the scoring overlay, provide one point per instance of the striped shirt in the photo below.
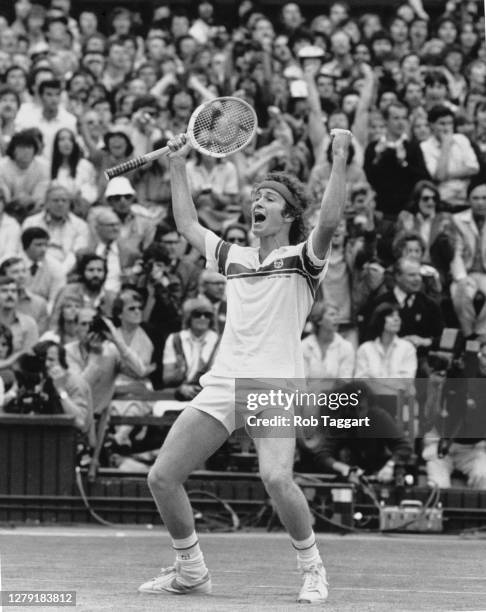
(268, 304)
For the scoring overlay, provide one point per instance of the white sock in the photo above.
(307, 552)
(190, 558)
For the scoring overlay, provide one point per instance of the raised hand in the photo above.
(341, 140)
(179, 147)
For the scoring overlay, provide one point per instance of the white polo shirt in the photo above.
(267, 306)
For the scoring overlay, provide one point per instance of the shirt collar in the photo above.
(400, 295)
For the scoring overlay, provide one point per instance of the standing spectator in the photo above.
(45, 276)
(393, 164)
(28, 303)
(50, 117)
(468, 268)
(327, 355)
(450, 158)
(24, 175)
(71, 170)
(24, 329)
(68, 234)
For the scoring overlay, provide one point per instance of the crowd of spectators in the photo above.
(97, 270)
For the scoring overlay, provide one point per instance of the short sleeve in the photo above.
(314, 266)
(216, 253)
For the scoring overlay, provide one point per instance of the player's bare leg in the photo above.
(276, 459)
(193, 438)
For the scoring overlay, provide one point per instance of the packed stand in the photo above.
(99, 294)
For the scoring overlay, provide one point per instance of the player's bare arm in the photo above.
(185, 214)
(334, 198)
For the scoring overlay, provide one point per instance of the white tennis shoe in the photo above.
(314, 587)
(169, 581)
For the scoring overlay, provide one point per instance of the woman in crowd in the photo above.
(74, 172)
(386, 357)
(65, 329)
(326, 353)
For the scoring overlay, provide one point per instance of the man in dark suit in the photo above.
(422, 321)
(393, 164)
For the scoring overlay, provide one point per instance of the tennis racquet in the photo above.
(217, 128)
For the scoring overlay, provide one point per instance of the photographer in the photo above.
(457, 439)
(373, 450)
(99, 356)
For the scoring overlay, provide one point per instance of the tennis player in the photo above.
(270, 292)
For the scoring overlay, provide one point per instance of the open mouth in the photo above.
(259, 217)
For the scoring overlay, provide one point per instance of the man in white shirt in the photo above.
(270, 292)
(50, 117)
(68, 232)
(449, 157)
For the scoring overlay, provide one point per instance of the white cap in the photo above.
(310, 51)
(119, 185)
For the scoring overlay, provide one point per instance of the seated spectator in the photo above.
(89, 288)
(107, 243)
(24, 329)
(99, 355)
(64, 321)
(180, 264)
(127, 316)
(118, 148)
(212, 286)
(457, 439)
(45, 276)
(327, 355)
(162, 292)
(68, 234)
(49, 117)
(421, 318)
(28, 302)
(450, 158)
(435, 227)
(410, 245)
(9, 106)
(374, 450)
(10, 245)
(468, 268)
(386, 356)
(393, 164)
(67, 388)
(73, 172)
(24, 176)
(153, 186)
(188, 354)
(236, 233)
(6, 349)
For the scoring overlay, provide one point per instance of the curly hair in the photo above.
(298, 229)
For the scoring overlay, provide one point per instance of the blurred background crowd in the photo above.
(99, 294)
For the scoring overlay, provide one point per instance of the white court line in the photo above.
(378, 589)
(102, 532)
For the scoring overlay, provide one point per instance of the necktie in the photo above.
(33, 268)
(107, 250)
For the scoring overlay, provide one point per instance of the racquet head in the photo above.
(222, 126)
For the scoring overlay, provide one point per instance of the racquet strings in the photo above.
(224, 126)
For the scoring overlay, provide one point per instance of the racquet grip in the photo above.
(132, 164)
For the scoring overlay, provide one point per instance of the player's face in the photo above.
(267, 212)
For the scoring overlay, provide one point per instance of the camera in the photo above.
(99, 327)
(31, 397)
